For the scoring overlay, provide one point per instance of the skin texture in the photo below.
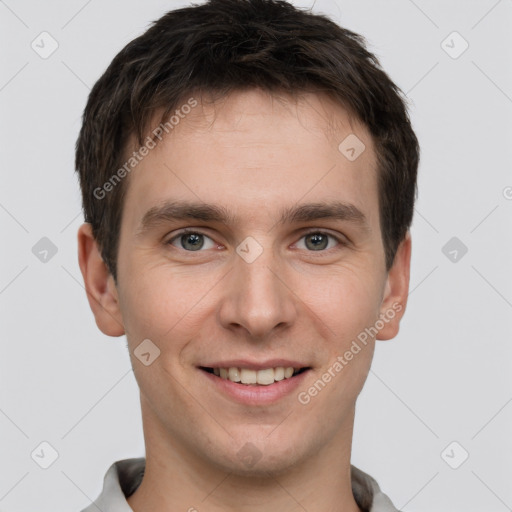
(255, 154)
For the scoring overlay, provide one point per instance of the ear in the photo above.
(394, 300)
(99, 284)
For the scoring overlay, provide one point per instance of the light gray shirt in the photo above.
(124, 476)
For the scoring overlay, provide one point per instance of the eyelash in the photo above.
(186, 231)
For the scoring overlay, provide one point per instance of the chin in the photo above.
(258, 456)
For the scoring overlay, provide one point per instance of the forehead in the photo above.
(255, 153)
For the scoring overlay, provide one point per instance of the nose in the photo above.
(256, 297)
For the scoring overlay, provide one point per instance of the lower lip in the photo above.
(258, 394)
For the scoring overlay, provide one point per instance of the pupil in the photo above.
(194, 240)
(319, 241)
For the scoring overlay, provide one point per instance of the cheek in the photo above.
(345, 302)
(160, 303)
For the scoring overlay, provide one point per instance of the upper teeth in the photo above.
(264, 377)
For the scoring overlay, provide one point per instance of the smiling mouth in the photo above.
(250, 377)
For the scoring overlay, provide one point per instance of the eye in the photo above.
(191, 241)
(319, 241)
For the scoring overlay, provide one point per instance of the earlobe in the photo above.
(396, 291)
(99, 284)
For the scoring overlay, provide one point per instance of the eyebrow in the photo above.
(185, 210)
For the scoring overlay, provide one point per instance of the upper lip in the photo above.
(255, 365)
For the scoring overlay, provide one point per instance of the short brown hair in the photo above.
(228, 45)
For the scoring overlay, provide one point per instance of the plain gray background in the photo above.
(445, 378)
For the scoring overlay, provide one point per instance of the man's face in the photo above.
(254, 287)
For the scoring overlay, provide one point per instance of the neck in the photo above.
(178, 478)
